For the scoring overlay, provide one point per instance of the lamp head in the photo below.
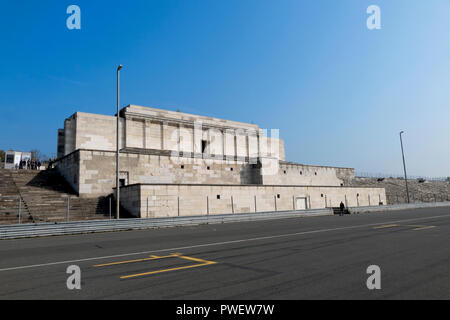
(119, 67)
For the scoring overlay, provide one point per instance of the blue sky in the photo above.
(338, 92)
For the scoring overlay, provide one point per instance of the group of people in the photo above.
(29, 164)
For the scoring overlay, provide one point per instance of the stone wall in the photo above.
(165, 147)
(69, 168)
(299, 174)
(165, 200)
(88, 131)
(97, 169)
(97, 132)
(148, 128)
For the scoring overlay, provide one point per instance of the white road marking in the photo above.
(221, 243)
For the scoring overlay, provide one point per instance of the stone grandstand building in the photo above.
(177, 164)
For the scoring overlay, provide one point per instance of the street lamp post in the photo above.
(404, 166)
(117, 147)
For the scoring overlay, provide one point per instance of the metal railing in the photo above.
(90, 226)
(13, 208)
(417, 197)
(359, 174)
(400, 206)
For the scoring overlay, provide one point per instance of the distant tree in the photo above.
(34, 154)
(2, 155)
(38, 155)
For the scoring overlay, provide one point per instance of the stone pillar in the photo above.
(247, 139)
(257, 146)
(208, 142)
(179, 137)
(144, 132)
(198, 132)
(224, 133)
(193, 141)
(162, 134)
(235, 144)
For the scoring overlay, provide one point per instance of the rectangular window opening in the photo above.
(204, 144)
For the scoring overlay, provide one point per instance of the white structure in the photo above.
(13, 158)
(174, 163)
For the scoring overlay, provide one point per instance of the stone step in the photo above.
(44, 195)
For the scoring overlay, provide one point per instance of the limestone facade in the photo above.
(155, 129)
(92, 173)
(168, 200)
(172, 154)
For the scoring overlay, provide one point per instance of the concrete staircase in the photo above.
(9, 200)
(44, 195)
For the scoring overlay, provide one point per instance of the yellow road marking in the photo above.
(416, 227)
(386, 226)
(423, 228)
(194, 259)
(153, 257)
(167, 270)
(136, 260)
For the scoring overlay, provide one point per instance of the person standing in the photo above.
(342, 207)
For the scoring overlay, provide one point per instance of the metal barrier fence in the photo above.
(12, 209)
(64, 228)
(403, 206)
(417, 198)
(397, 176)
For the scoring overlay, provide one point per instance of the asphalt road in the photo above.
(298, 258)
